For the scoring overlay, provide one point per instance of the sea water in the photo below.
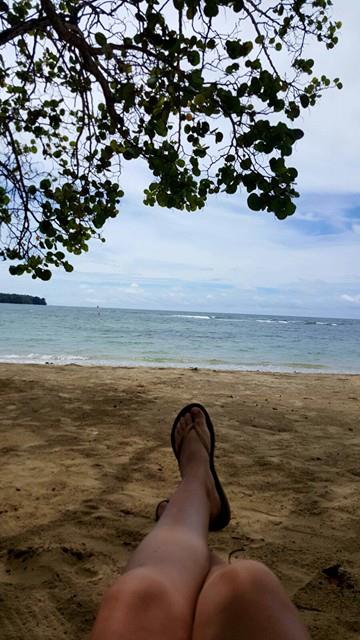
(123, 337)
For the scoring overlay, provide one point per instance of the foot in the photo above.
(192, 440)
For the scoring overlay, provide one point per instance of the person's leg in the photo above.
(156, 596)
(245, 601)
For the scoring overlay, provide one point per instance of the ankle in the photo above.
(195, 470)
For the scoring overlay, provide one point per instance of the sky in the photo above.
(226, 258)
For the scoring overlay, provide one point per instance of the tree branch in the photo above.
(24, 27)
(74, 36)
(249, 14)
(122, 47)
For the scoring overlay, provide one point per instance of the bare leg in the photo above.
(156, 597)
(245, 601)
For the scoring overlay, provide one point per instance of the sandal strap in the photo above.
(199, 435)
(202, 440)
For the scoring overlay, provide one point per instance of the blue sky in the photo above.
(226, 258)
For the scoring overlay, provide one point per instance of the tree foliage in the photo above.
(206, 92)
(15, 298)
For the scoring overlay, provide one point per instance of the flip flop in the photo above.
(157, 510)
(223, 517)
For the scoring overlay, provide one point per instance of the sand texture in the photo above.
(85, 457)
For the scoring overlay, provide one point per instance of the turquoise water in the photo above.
(63, 335)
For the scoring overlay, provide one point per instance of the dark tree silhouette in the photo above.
(15, 298)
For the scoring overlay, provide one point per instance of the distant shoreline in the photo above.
(16, 298)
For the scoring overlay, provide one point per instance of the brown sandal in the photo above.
(158, 508)
(224, 515)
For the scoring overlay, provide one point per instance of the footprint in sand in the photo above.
(334, 594)
(36, 565)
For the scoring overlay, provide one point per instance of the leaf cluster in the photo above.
(86, 86)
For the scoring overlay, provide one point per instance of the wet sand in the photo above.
(85, 457)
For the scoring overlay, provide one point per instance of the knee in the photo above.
(139, 587)
(245, 581)
(137, 601)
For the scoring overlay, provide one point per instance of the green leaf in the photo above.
(100, 39)
(194, 58)
(211, 9)
(47, 228)
(231, 188)
(45, 184)
(43, 274)
(245, 164)
(254, 202)
(16, 270)
(277, 165)
(290, 208)
(160, 128)
(304, 99)
(219, 136)
(238, 5)
(238, 49)
(195, 79)
(297, 134)
(162, 199)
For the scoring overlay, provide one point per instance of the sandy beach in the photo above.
(85, 457)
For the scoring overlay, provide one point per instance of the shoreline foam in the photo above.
(81, 361)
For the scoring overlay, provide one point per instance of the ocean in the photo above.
(124, 337)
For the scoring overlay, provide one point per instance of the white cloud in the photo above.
(354, 299)
(133, 290)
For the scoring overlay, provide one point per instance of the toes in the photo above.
(179, 431)
(188, 419)
(199, 420)
(197, 416)
(201, 427)
(193, 417)
(182, 426)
